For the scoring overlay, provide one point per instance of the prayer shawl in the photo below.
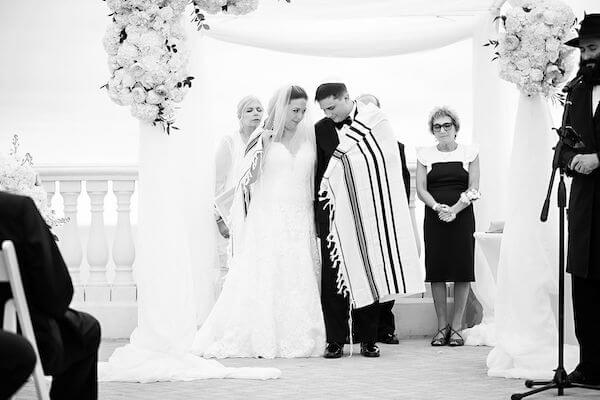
(237, 199)
(371, 236)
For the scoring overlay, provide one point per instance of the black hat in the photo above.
(590, 27)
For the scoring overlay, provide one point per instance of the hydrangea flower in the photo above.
(531, 50)
(18, 176)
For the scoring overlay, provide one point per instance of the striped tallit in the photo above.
(371, 236)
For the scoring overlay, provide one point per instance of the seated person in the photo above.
(17, 360)
(67, 340)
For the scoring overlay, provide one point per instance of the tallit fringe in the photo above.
(336, 260)
(245, 181)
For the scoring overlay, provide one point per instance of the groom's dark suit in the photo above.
(67, 340)
(335, 306)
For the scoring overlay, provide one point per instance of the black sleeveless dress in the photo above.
(449, 246)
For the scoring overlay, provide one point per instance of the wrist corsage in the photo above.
(470, 196)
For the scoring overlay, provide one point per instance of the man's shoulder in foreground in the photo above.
(10, 203)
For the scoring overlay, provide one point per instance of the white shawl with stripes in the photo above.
(371, 237)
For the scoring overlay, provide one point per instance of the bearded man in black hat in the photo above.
(582, 163)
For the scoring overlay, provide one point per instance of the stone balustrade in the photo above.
(103, 279)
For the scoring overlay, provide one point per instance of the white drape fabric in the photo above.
(174, 268)
(343, 9)
(341, 28)
(526, 334)
(487, 256)
(492, 132)
(494, 110)
(170, 293)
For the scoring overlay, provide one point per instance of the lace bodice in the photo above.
(285, 175)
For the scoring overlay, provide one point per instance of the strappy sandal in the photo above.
(443, 339)
(454, 342)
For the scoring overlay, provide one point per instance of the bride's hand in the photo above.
(267, 136)
(223, 230)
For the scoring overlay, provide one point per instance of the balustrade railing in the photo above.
(109, 250)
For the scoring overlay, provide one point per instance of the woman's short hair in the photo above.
(444, 111)
(243, 103)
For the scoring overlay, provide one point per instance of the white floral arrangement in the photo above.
(233, 7)
(18, 176)
(147, 58)
(531, 52)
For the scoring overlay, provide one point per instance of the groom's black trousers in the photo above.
(336, 308)
(586, 301)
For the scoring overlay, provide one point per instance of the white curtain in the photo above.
(351, 28)
(494, 110)
(361, 9)
(492, 131)
(526, 332)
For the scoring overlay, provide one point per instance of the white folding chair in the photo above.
(17, 308)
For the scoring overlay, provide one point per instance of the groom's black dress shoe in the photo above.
(369, 349)
(579, 377)
(390, 338)
(334, 350)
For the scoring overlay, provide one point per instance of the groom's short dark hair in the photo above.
(326, 90)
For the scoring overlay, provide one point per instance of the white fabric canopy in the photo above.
(349, 28)
(338, 28)
(361, 9)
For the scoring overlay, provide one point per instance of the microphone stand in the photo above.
(566, 136)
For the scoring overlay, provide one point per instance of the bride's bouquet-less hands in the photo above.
(18, 176)
(531, 52)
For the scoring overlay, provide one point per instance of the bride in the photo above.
(270, 306)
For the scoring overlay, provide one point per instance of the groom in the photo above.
(370, 238)
(334, 100)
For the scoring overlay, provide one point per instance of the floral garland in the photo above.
(18, 176)
(233, 7)
(147, 60)
(531, 50)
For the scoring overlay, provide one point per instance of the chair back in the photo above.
(9, 272)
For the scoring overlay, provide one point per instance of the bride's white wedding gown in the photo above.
(270, 304)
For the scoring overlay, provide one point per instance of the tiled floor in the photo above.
(412, 370)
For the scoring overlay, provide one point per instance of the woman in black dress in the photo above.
(447, 182)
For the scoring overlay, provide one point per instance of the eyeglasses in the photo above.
(438, 127)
